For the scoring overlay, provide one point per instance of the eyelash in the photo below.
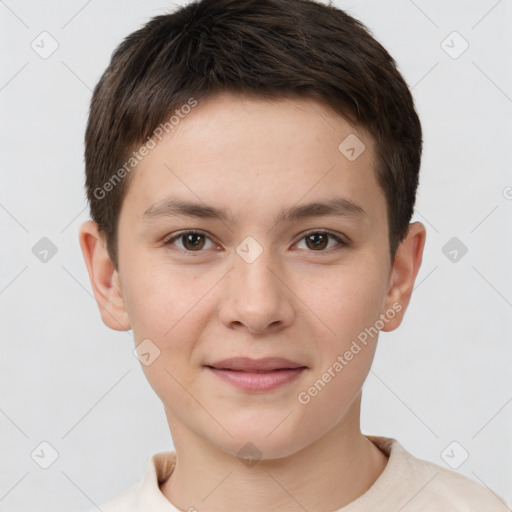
(342, 243)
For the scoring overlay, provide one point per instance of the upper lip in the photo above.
(246, 364)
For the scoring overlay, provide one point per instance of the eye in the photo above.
(193, 241)
(318, 240)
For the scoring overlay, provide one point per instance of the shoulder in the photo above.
(125, 501)
(423, 486)
(457, 492)
(145, 495)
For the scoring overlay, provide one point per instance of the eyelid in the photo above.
(339, 236)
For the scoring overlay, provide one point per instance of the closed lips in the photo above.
(266, 365)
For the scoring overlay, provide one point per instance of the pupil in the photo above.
(315, 237)
(191, 239)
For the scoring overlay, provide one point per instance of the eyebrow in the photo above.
(172, 207)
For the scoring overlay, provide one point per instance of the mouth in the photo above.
(257, 374)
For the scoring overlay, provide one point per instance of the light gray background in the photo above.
(65, 378)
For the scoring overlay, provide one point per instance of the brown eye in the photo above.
(318, 241)
(191, 241)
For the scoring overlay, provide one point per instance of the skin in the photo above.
(295, 300)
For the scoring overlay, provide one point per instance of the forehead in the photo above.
(250, 155)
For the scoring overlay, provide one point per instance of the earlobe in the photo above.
(403, 274)
(103, 277)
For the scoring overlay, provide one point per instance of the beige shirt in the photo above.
(407, 484)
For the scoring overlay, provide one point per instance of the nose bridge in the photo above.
(253, 271)
(256, 297)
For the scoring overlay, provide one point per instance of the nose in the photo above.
(256, 297)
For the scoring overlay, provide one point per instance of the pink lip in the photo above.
(257, 374)
(258, 381)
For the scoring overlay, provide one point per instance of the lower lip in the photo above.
(258, 381)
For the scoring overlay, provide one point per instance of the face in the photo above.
(271, 276)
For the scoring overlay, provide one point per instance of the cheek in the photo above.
(346, 347)
(171, 373)
(346, 301)
(351, 308)
(156, 299)
(165, 307)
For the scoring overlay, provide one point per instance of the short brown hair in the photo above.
(267, 48)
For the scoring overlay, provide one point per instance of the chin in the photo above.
(263, 441)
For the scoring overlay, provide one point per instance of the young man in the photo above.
(251, 168)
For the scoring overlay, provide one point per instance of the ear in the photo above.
(104, 278)
(403, 274)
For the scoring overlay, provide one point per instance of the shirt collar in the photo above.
(159, 468)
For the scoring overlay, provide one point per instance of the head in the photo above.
(253, 111)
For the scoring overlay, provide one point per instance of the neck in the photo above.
(325, 476)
